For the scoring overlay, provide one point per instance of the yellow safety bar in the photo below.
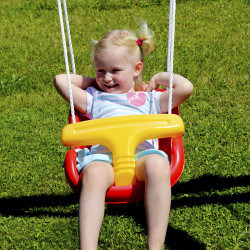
(122, 135)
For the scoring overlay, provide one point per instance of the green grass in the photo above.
(210, 202)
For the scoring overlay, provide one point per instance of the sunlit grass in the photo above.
(209, 207)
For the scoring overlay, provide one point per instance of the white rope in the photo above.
(169, 35)
(66, 62)
(170, 58)
(69, 37)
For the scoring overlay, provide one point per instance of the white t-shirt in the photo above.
(102, 105)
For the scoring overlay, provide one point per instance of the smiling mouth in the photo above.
(110, 86)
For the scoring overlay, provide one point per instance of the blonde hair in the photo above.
(136, 46)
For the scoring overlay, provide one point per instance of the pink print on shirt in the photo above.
(137, 99)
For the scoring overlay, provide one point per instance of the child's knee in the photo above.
(96, 174)
(157, 167)
(90, 173)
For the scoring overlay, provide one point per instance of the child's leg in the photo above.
(154, 170)
(97, 178)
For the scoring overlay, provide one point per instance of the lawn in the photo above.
(210, 207)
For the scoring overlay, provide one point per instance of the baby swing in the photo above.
(122, 134)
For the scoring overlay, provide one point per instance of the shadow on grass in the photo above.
(66, 205)
(181, 240)
(40, 205)
(209, 183)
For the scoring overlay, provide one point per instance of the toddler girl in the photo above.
(118, 64)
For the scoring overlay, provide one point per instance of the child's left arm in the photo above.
(182, 88)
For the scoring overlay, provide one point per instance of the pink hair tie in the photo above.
(139, 42)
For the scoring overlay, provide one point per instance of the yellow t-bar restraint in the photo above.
(122, 135)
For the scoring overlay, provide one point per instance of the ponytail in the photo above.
(147, 39)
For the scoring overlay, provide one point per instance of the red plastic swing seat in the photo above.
(172, 146)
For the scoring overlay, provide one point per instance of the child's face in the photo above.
(116, 71)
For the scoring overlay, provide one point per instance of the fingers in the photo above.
(149, 86)
(144, 86)
(152, 85)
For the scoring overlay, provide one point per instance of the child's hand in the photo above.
(144, 86)
(153, 83)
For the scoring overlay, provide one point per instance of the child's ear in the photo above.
(138, 68)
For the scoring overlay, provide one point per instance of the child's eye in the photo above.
(116, 70)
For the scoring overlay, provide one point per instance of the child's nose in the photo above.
(108, 77)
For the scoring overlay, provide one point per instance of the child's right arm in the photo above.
(78, 85)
